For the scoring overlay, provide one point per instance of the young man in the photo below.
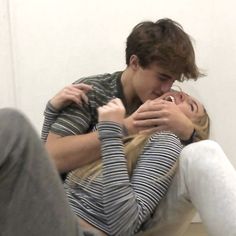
(157, 54)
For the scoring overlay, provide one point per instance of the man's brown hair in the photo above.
(166, 44)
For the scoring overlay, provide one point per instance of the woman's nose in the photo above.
(182, 96)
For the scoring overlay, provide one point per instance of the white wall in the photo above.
(7, 89)
(47, 44)
(54, 42)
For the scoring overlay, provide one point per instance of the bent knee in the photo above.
(201, 154)
(202, 147)
(10, 114)
(11, 120)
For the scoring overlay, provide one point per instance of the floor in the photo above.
(196, 229)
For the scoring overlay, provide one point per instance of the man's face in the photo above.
(152, 82)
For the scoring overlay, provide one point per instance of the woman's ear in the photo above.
(134, 62)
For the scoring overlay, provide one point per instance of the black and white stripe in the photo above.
(115, 203)
(76, 119)
(50, 116)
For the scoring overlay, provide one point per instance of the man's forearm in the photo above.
(74, 151)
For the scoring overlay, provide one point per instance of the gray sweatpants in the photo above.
(32, 199)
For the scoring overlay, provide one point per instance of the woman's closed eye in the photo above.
(192, 107)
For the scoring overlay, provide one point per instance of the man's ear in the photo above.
(134, 62)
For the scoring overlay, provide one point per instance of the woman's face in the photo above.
(190, 106)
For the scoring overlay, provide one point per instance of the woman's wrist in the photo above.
(109, 129)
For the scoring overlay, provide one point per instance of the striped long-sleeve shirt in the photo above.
(115, 203)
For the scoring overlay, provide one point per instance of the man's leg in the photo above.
(32, 199)
(207, 179)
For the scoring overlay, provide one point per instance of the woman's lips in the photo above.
(170, 99)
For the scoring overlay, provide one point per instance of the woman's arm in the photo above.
(129, 203)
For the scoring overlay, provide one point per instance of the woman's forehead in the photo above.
(201, 109)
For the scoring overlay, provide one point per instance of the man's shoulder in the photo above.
(100, 79)
(105, 87)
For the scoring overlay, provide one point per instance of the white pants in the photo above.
(205, 181)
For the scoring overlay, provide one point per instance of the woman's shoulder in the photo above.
(165, 137)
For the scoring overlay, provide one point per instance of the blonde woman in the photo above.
(127, 183)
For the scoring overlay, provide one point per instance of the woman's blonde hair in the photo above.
(133, 146)
(201, 127)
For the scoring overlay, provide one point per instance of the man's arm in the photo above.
(63, 146)
(73, 151)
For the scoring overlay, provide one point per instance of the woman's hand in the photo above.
(112, 111)
(71, 93)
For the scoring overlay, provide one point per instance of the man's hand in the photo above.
(160, 115)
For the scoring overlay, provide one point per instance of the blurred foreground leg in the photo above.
(32, 198)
